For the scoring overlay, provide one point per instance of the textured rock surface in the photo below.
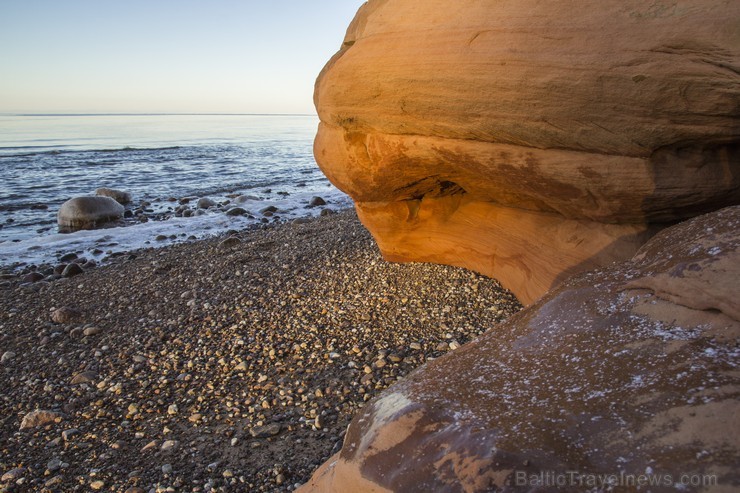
(88, 212)
(39, 417)
(119, 196)
(631, 368)
(461, 128)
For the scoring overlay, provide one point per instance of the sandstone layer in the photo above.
(88, 213)
(529, 140)
(623, 371)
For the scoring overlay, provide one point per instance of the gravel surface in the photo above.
(229, 364)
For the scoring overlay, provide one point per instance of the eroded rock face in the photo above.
(524, 141)
(87, 213)
(630, 369)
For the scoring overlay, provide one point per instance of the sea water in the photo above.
(159, 159)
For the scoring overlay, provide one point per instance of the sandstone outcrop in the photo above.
(528, 140)
(620, 372)
(87, 213)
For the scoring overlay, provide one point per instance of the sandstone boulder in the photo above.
(118, 195)
(87, 213)
(619, 372)
(529, 140)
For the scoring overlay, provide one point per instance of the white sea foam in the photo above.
(44, 249)
(158, 159)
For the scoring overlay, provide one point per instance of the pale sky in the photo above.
(166, 56)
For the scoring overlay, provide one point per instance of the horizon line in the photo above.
(157, 114)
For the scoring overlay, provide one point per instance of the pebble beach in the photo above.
(233, 363)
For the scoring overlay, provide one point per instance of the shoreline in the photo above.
(156, 229)
(226, 364)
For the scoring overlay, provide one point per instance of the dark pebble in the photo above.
(68, 257)
(236, 211)
(72, 270)
(316, 202)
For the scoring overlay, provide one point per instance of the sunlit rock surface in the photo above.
(532, 140)
(619, 372)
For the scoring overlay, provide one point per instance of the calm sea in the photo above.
(47, 159)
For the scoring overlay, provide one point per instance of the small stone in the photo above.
(227, 474)
(97, 484)
(32, 277)
(68, 434)
(149, 445)
(169, 445)
(241, 366)
(54, 443)
(39, 417)
(167, 469)
(442, 346)
(134, 489)
(194, 418)
(229, 242)
(454, 345)
(7, 357)
(236, 211)
(13, 474)
(91, 331)
(68, 257)
(415, 346)
(269, 208)
(245, 198)
(316, 202)
(172, 409)
(205, 203)
(265, 431)
(84, 377)
(72, 270)
(65, 315)
(55, 481)
(54, 465)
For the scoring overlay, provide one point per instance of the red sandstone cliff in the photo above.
(531, 140)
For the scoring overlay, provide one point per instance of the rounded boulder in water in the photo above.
(205, 203)
(118, 195)
(316, 202)
(87, 213)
